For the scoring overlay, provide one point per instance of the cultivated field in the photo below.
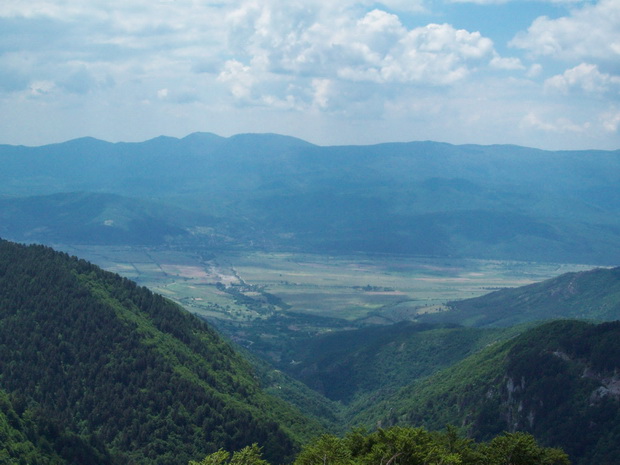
(373, 289)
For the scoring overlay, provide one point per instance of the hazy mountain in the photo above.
(94, 365)
(590, 295)
(416, 198)
(558, 381)
(93, 218)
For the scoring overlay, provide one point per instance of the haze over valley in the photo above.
(356, 280)
(398, 243)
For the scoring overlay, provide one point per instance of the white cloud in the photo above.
(556, 125)
(534, 70)
(40, 88)
(369, 69)
(501, 2)
(506, 63)
(590, 33)
(611, 121)
(239, 77)
(259, 49)
(585, 77)
(322, 93)
(376, 47)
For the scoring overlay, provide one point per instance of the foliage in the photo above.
(408, 446)
(102, 359)
(33, 438)
(97, 369)
(521, 449)
(556, 381)
(357, 364)
(249, 455)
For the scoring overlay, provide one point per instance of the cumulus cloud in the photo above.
(585, 77)
(222, 63)
(611, 121)
(499, 2)
(557, 125)
(591, 33)
(510, 63)
(263, 51)
(322, 93)
(240, 78)
(375, 47)
(534, 70)
(41, 88)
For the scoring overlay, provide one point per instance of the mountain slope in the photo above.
(370, 362)
(558, 381)
(103, 358)
(28, 436)
(593, 295)
(92, 218)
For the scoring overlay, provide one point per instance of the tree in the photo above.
(326, 450)
(521, 449)
(249, 455)
(406, 446)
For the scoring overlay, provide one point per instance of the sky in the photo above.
(540, 73)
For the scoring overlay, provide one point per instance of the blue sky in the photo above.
(542, 73)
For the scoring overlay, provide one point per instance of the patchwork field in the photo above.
(373, 289)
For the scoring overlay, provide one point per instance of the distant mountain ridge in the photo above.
(423, 198)
(83, 217)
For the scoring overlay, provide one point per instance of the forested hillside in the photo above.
(93, 365)
(593, 295)
(558, 381)
(94, 369)
(31, 438)
(356, 367)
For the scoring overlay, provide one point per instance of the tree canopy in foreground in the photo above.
(406, 446)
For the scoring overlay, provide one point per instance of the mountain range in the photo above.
(96, 369)
(277, 192)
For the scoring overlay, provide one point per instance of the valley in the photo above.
(263, 300)
(365, 286)
(159, 359)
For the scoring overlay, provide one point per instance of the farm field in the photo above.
(246, 286)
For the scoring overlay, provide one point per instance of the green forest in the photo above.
(94, 366)
(96, 369)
